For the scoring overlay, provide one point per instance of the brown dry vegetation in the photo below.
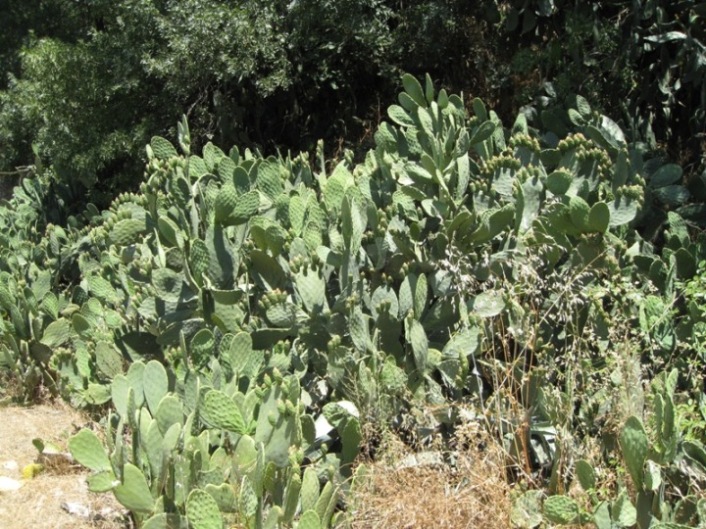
(472, 493)
(38, 503)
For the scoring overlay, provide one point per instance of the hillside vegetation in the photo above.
(252, 315)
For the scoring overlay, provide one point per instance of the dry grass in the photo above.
(37, 504)
(473, 493)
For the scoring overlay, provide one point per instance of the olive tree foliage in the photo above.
(269, 74)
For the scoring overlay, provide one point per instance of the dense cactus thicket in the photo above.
(243, 319)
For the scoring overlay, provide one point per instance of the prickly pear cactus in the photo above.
(225, 306)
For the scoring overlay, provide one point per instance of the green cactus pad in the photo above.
(489, 304)
(57, 333)
(309, 489)
(133, 492)
(579, 210)
(291, 497)
(119, 390)
(211, 156)
(268, 179)
(622, 211)
(108, 360)
(420, 345)
(309, 520)
(163, 520)
(224, 495)
(170, 232)
(102, 481)
(197, 167)
(162, 148)
(127, 231)
(103, 290)
(202, 511)
(246, 206)
(634, 445)
(562, 510)
(155, 384)
(585, 474)
(326, 503)
(86, 448)
(599, 217)
(153, 444)
(226, 200)
(168, 284)
(170, 411)
(220, 411)
(311, 288)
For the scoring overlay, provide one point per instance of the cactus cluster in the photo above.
(242, 313)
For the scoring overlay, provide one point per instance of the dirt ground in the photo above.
(37, 504)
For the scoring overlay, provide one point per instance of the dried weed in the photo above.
(468, 494)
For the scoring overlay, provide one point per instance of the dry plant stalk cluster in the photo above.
(473, 493)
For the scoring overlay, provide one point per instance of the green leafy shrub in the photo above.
(88, 96)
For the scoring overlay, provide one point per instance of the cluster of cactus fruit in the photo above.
(227, 309)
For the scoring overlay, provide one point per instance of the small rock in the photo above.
(76, 509)
(10, 465)
(9, 484)
(422, 459)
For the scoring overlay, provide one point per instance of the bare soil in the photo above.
(37, 504)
